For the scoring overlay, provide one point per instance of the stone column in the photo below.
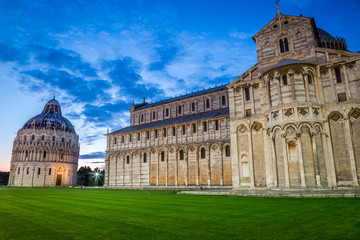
(279, 90)
(167, 168)
(123, 168)
(116, 173)
(157, 169)
(306, 82)
(176, 167)
(197, 166)
(209, 166)
(267, 94)
(221, 165)
(301, 161)
(187, 168)
(286, 165)
(273, 149)
(329, 157)
(32, 177)
(351, 151)
(267, 160)
(243, 101)
(292, 82)
(252, 99)
(251, 159)
(347, 81)
(332, 83)
(316, 160)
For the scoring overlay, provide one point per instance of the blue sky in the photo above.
(99, 56)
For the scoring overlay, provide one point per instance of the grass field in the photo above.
(63, 213)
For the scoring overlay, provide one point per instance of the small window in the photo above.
(223, 100)
(205, 126)
(167, 112)
(27, 170)
(26, 154)
(44, 155)
(181, 154)
(115, 140)
(338, 75)
(193, 106)
(24, 138)
(33, 137)
(207, 103)
(202, 153)
(39, 169)
(162, 156)
(179, 109)
(309, 77)
(342, 97)
(18, 170)
(142, 117)
(69, 140)
(248, 112)
(194, 128)
(127, 159)
(156, 133)
(154, 115)
(284, 78)
(130, 138)
(49, 171)
(63, 140)
(138, 136)
(147, 135)
(247, 94)
(174, 131)
(53, 138)
(286, 45)
(281, 43)
(42, 137)
(164, 132)
(61, 156)
(122, 139)
(216, 124)
(183, 129)
(227, 151)
(144, 158)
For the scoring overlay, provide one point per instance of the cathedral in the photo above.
(45, 151)
(291, 121)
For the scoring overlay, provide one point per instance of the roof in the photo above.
(142, 105)
(286, 62)
(179, 120)
(324, 34)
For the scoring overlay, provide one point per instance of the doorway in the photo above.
(58, 179)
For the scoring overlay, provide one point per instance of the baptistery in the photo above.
(45, 150)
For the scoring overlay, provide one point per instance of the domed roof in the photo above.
(50, 118)
(324, 34)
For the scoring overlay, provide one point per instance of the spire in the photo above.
(278, 6)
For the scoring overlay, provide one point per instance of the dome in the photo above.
(50, 118)
(324, 34)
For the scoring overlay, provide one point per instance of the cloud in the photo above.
(60, 58)
(240, 35)
(9, 53)
(93, 155)
(166, 51)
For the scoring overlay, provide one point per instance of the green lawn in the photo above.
(64, 213)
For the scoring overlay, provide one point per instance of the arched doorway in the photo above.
(59, 176)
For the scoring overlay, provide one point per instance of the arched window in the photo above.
(25, 138)
(62, 156)
(42, 137)
(167, 112)
(247, 94)
(63, 140)
(202, 153)
(138, 136)
(33, 137)
(144, 158)
(179, 109)
(174, 131)
(223, 100)
(53, 138)
(39, 171)
(194, 128)
(205, 126)
(115, 140)
(193, 106)
(183, 129)
(142, 117)
(309, 79)
(164, 132)
(27, 170)
(286, 45)
(26, 154)
(285, 82)
(154, 115)
(181, 154)
(127, 159)
(216, 125)
(18, 170)
(44, 155)
(227, 151)
(162, 156)
(281, 43)
(49, 171)
(207, 103)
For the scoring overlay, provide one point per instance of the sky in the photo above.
(97, 57)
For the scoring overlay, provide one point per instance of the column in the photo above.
(316, 160)
(329, 157)
(167, 167)
(221, 165)
(187, 167)
(267, 160)
(243, 101)
(292, 82)
(306, 82)
(347, 82)
(116, 173)
(176, 167)
(332, 83)
(273, 149)
(251, 161)
(32, 177)
(279, 90)
(252, 99)
(267, 94)
(197, 167)
(301, 162)
(351, 151)
(124, 170)
(209, 166)
(286, 165)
